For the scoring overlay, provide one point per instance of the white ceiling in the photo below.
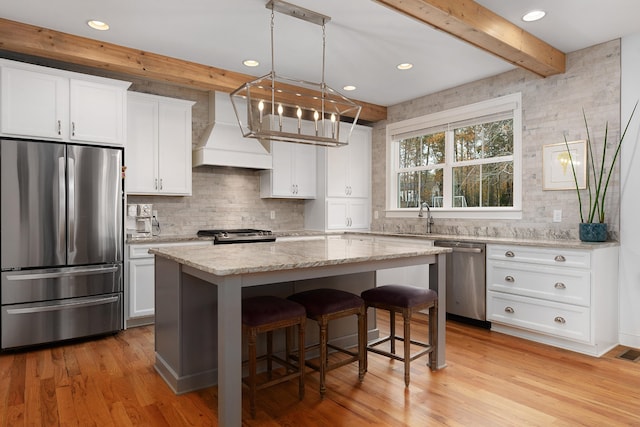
(365, 41)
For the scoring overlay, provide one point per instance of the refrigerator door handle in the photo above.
(63, 273)
(71, 170)
(64, 306)
(61, 206)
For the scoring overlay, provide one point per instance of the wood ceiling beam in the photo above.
(479, 26)
(45, 43)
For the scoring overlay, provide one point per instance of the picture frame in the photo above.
(556, 166)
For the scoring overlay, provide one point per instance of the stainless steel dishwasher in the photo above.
(466, 282)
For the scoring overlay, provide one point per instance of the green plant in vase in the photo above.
(593, 227)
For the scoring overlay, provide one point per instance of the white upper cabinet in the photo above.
(349, 166)
(293, 174)
(97, 112)
(41, 102)
(158, 151)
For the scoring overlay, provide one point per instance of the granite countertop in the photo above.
(225, 260)
(558, 243)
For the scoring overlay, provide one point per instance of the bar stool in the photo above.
(406, 300)
(265, 314)
(324, 305)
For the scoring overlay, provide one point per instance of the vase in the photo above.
(593, 231)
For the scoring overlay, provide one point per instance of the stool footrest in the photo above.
(428, 348)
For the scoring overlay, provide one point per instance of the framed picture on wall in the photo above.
(556, 165)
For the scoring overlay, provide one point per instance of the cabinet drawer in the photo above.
(566, 285)
(549, 256)
(552, 318)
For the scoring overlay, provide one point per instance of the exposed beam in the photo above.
(45, 43)
(477, 25)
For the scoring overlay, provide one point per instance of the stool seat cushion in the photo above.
(319, 302)
(399, 295)
(263, 310)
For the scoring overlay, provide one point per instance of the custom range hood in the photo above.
(223, 144)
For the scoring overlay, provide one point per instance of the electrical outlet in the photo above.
(273, 214)
(375, 214)
(557, 215)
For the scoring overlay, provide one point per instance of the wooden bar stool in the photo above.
(324, 305)
(266, 314)
(406, 300)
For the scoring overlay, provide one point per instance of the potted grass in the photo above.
(593, 226)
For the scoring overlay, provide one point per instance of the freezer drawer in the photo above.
(44, 322)
(59, 283)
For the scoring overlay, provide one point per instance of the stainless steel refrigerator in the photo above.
(61, 241)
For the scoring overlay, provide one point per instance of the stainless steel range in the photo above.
(244, 235)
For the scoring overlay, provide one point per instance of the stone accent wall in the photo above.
(552, 107)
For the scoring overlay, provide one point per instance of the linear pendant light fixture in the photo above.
(277, 108)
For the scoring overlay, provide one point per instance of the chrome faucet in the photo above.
(429, 219)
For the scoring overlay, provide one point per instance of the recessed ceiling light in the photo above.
(98, 25)
(404, 66)
(250, 62)
(534, 15)
(349, 87)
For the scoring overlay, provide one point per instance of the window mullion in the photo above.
(447, 178)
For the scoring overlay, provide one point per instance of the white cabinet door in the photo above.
(33, 104)
(158, 151)
(347, 214)
(359, 213)
(293, 174)
(174, 148)
(360, 163)
(97, 112)
(349, 166)
(141, 152)
(141, 287)
(304, 172)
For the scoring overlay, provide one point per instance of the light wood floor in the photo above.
(491, 380)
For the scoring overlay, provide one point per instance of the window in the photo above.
(463, 162)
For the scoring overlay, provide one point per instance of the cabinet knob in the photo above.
(509, 279)
(560, 258)
(509, 254)
(560, 319)
(509, 310)
(559, 285)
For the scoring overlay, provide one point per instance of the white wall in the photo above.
(629, 274)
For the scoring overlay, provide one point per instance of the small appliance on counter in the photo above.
(139, 220)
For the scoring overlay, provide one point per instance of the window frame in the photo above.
(509, 104)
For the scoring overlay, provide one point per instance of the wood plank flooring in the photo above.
(491, 380)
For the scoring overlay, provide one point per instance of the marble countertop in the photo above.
(225, 260)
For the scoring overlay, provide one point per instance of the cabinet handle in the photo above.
(73, 128)
(560, 258)
(560, 319)
(155, 184)
(509, 279)
(559, 285)
(509, 254)
(509, 310)
(161, 183)
(59, 127)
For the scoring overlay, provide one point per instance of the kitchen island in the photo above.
(198, 334)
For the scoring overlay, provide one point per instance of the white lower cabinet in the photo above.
(563, 297)
(140, 283)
